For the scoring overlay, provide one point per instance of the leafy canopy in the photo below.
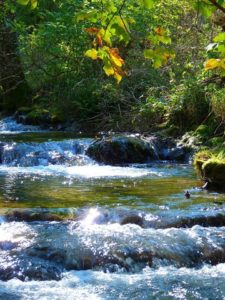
(112, 25)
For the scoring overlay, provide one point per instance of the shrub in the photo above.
(218, 104)
(188, 106)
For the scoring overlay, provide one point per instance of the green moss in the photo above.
(211, 165)
(214, 169)
(199, 159)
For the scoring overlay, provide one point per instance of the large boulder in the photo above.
(121, 150)
(211, 168)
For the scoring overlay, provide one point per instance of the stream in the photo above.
(71, 228)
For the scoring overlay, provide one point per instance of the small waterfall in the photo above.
(68, 152)
(9, 125)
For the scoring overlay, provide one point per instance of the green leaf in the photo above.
(157, 63)
(148, 4)
(33, 4)
(220, 37)
(206, 9)
(149, 54)
(165, 40)
(90, 15)
(221, 49)
(120, 29)
(23, 2)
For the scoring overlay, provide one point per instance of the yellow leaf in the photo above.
(115, 57)
(108, 69)
(92, 53)
(118, 77)
(211, 64)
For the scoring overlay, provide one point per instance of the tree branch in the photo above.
(216, 4)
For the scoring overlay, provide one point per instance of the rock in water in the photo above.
(120, 150)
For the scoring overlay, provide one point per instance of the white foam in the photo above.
(163, 283)
(86, 171)
(10, 126)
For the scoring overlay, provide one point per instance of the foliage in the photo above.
(189, 105)
(69, 51)
(218, 104)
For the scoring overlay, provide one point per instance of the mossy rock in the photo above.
(120, 150)
(212, 167)
(38, 117)
(214, 170)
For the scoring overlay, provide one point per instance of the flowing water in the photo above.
(71, 228)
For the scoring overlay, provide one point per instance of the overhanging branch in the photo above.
(216, 4)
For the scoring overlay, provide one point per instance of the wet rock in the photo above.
(1, 152)
(205, 221)
(30, 216)
(160, 145)
(175, 154)
(112, 268)
(47, 253)
(128, 259)
(132, 219)
(213, 256)
(25, 269)
(120, 150)
(85, 259)
(7, 245)
(168, 149)
(42, 273)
